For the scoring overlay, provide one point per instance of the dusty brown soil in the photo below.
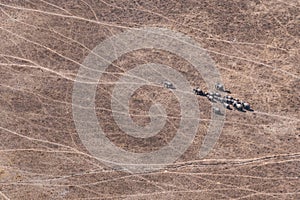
(256, 47)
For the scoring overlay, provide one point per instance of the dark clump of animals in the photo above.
(198, 91)
(227, 101)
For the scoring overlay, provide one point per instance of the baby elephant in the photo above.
(220, 87)
(217, 111)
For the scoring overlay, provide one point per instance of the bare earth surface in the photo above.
(256, 47)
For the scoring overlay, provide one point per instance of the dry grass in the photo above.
(255, 45)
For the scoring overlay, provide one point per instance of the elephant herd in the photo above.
(227, 101)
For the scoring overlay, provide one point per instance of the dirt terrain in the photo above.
(255, 46)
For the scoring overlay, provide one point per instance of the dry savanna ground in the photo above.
(255, 45)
